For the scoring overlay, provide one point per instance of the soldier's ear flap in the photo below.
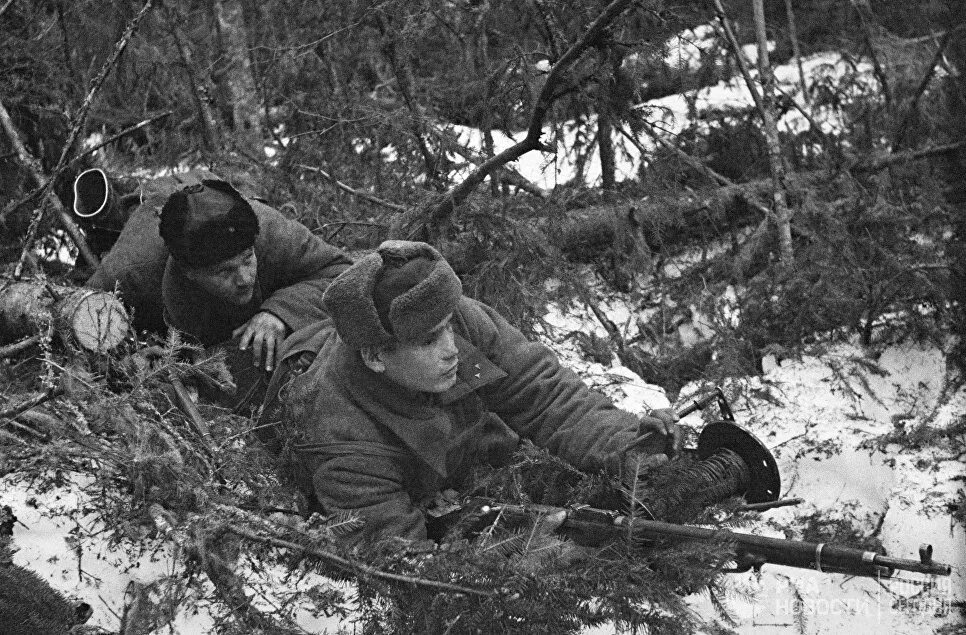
(372, 358)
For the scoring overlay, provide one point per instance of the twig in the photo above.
(120, 135)
(357, 568)
(12, 349)
(5, 7)
(349, 190)
(26, 405)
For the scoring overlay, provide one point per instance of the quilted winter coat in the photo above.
(371, 447)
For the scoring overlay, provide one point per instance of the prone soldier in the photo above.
(217, 265)
(412, 384)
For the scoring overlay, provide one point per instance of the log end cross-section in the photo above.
(92, 320)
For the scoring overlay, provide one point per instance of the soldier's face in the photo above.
(231, 280)
(427, 365)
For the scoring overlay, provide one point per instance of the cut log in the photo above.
(84, 318)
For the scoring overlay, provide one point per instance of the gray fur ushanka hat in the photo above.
(396, 294)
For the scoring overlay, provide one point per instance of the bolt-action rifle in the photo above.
(751, 551)
(732, 462)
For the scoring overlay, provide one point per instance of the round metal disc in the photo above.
(765, 480)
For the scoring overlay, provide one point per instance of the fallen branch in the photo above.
(417, 223)
(27, 404)
(17, 347)
(349, 190)
(359, 569)
(888, 160)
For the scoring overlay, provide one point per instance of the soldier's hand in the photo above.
(658, 432)
(264, 333)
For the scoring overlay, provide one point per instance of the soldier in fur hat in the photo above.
(221, 266)
(412, 384)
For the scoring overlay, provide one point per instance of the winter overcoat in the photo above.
(382, 451)
(293, 269)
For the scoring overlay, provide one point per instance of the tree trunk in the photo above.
(796, 49)
(775, 161)
(200, 90)
(236, 77)
(605, 144)
(91, 320)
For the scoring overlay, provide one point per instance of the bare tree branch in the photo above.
(349, 190)
(417, 222)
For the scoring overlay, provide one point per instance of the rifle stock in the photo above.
(752, 551)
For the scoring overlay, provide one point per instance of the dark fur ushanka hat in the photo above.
(414, 287)
(207, 223)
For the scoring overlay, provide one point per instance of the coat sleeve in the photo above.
(298, 267)
(372, 488)
(545, 402)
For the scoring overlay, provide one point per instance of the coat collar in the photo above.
(418, 419)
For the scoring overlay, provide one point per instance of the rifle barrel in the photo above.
(808, 555)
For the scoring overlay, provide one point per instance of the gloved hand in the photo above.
(658, 433)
